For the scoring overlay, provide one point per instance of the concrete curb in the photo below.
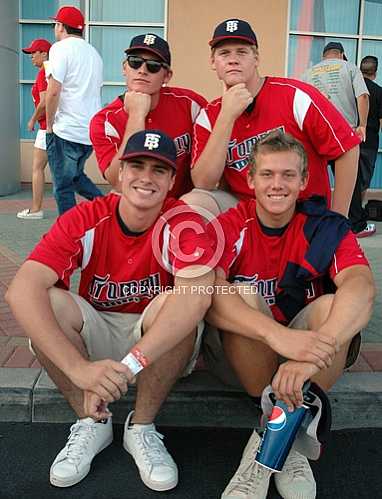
(28, 395)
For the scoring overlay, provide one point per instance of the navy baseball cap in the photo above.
(152, 43)
(151, 143)
(335, 46)
(233, 29)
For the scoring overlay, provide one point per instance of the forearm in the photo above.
(209, 168)
(39, 112)
(178, 317)
(52, 99)
(246, 321)
(363, 109)
(351, 309)
(346, 167)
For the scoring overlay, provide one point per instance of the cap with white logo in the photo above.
(152, 43)
(151, 143)
(233, 29)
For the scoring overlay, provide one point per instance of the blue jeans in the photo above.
(67, 162)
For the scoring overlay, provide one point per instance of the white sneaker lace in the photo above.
(153, 449)
(251, 478)
(80, 434)
(296, 465)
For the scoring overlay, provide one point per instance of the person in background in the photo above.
(368, 150)
(73, 96)
(343, 84)
(39, 52)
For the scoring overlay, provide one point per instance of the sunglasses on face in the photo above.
(135, 62)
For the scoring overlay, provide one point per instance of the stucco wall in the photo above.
(190, 27)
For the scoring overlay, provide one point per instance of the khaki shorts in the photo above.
(217, 363)
(111, 335)
(223, 199)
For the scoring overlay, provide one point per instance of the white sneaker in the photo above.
(251, 480)
(87, 438)
(156, 467)
(296, 480)
(29, 215)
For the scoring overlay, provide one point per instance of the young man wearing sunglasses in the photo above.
(250, 108)
(147, 103)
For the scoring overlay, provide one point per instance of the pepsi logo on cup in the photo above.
(277, 420)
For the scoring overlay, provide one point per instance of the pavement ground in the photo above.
(349, 469)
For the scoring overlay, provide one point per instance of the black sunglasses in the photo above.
(135, 62)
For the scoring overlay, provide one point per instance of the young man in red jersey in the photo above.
(147, 103)
(250, 108)
(131, 249)
(281, 255)
(39, 52)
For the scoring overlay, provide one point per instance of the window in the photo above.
(110, 26)
(354, 23)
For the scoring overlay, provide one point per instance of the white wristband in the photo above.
(132, 363)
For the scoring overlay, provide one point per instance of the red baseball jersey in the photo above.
(40, 85)
(289, 105)
(119, 272)
(175, 115)
(259, 256)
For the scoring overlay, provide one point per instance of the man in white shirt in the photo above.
(73, 96)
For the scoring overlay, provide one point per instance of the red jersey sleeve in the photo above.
(61, 249)
(202, 129)
(323, 124)
(105, 142)
(198, 103)
(348, 253)
(41, 82)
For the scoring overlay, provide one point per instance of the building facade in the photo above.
(291, 34)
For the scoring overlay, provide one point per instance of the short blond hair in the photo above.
(278, 141)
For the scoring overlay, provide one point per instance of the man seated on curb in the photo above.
(278, 255)
(147, 103)
(251, 107)
(130, 247)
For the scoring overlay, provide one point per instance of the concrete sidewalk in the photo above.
(27, 394)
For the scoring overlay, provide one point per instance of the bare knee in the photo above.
(250, 295)
(40, 160)
(153, 311)
(66, 310)
(319, 312)
(201, 201)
